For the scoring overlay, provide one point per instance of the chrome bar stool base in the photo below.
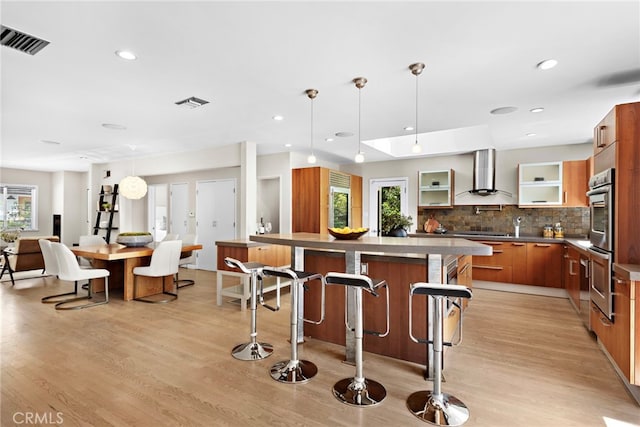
(252, 351)
(349, 392)
(293, 372)
(446, 411)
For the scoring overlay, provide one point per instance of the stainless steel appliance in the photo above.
(601, 203)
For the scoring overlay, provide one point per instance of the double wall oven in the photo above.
(601, 204)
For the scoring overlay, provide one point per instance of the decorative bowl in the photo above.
(352, 235)
(133, 240)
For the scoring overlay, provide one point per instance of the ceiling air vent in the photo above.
(192, 102)
(21, 41)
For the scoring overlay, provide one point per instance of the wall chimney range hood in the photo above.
(484, 172)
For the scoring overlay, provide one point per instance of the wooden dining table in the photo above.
(120, 260)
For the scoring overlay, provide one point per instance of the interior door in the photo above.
(215, 218)
(157, 210)
(179, 216)
(376, 187)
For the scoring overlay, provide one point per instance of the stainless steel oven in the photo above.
(601, 205)
(600, 281)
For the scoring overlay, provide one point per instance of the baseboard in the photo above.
(521, 289)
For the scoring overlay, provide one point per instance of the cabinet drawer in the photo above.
(493, 273)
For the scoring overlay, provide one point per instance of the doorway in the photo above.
(215, 218)
(389, 193)
(179, 209)
(157, 211)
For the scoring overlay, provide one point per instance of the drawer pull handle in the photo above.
(498, 251)
(543, 245)
(488, 267)
(464, 269)
(518, 244)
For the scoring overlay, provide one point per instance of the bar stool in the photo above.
(358, 390)
(436, 407)
(252, 350)
(295, 371)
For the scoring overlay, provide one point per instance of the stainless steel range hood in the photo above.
(484, 172)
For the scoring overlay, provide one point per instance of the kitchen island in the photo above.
(400, 261)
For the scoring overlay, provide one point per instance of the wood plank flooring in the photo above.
(524, 361)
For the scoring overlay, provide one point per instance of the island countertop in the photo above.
(414, 245)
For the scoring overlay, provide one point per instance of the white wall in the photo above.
(506, 172)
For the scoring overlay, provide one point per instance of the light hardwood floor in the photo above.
(525, 361)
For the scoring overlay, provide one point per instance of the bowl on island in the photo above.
(347, 233)
(134, 239)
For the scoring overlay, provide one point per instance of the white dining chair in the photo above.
(51, 268)
(89, 240)
(186, 258)
(69, 270)
(171, 236)
(163, 265)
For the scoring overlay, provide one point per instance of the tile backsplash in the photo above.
(484, 218)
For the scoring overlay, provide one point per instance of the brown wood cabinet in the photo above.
(575, 183)
(571, 273)
(497, 267)
(544, 264)
(615, 336)
(310, 200)
(465, 274)
(604, 134)
(275, 255)
(522, 263)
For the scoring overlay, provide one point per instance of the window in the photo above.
(18, 206)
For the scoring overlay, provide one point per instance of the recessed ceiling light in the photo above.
(113, 126)
(537, 110)
(547, 64)
(84, 157)
(531, 134)
(344, 134)
(278, 118)
(329, 139)
(46, 141)
(408, 128)
(125, 54)
(503, 110)
(287, 145)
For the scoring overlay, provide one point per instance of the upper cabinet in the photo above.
(553, 184)
(575, 183)
(540, 184)
(604, 134)
(435, 189)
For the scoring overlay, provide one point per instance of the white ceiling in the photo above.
(253, 60)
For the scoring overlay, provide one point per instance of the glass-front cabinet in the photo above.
(540, 184)
(435, 189)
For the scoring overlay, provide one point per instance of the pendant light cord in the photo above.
(359, 115)
(312, 126)
(416, 108)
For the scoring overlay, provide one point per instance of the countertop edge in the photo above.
(627, 271)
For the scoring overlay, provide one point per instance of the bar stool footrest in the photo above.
(446, 411)
(371, 394)
(293, 372)
(252, 351)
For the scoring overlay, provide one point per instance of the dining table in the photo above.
(120, 260)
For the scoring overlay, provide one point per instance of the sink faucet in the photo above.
(516, 223)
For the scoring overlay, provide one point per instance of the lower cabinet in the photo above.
(616, 336)
(571, 274)
(538, 264)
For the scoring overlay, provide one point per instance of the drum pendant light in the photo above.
(359, 82)
(311, 93)
(416, 70)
